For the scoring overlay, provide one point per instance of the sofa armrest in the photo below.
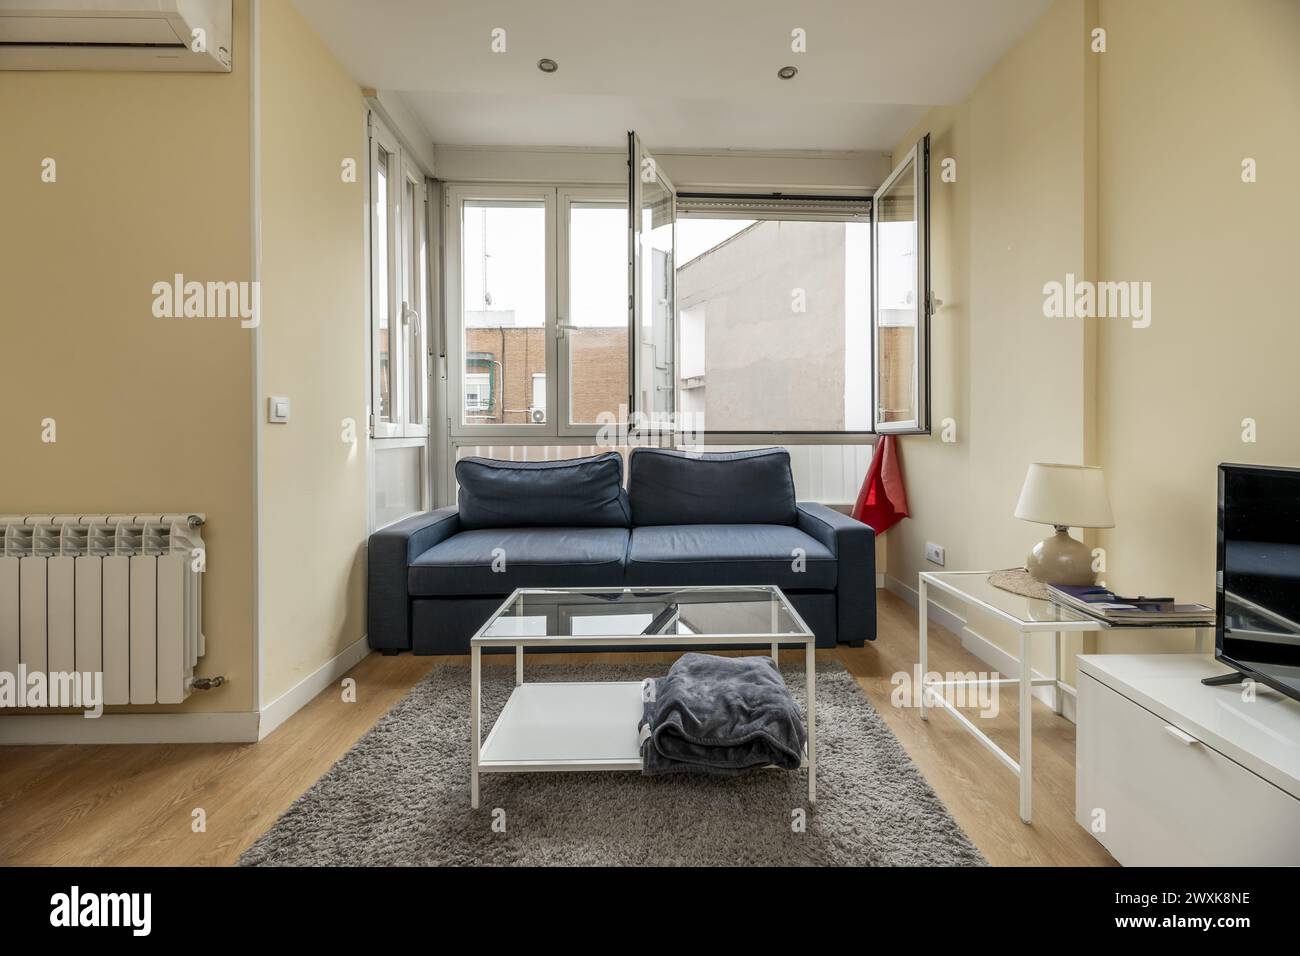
(854, 546)
(389, 555)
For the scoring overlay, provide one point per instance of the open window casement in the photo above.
(901, 302)
(652, 304)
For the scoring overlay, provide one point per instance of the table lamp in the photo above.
(1065, 496)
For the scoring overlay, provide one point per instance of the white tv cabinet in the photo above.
(1170, 772)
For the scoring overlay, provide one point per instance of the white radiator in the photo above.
(117, 594)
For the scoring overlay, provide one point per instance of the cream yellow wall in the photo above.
(1013, 382)
(1187, 90)
(312, 351)
(1122, 166)
(152, 414)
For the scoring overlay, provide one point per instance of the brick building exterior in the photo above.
(508, 365)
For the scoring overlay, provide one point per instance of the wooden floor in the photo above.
(133, 805)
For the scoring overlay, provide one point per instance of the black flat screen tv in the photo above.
(1258, 604)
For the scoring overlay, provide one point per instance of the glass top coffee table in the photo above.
(593, 725)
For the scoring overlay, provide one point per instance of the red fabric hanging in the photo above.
(882, 502)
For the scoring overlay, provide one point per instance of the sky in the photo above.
(514, 238)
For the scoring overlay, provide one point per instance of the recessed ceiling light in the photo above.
(547, 65)
(787, 72)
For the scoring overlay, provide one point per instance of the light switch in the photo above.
(277, 411)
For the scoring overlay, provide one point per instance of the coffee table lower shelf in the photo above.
(566, 726)
(569, 726)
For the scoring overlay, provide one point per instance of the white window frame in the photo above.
(384, 280)
(415, 302)
(408, 321)
(456, 195)
(558, 204)
(558, 200)
(566, 197)
(919, 158)
(638, 157)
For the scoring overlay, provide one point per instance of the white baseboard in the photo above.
(129, 729)
(880, 581)
(238, 728)
(980, 646)
(291, 701)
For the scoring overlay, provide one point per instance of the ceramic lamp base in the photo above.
(1060, 559)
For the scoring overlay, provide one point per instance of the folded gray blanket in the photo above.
(720, 715)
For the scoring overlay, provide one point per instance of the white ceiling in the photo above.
(686, 74)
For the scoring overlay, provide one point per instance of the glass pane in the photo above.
(503, 310)
(654, 347)
(774, 325)
(648, 612)
(597, 343)
(399, 479)
(416, 293)
(897, 300)
(380, 276)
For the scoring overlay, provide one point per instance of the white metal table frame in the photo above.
(576, 642)
(1023, 768)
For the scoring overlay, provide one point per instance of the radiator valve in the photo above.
(208, 683)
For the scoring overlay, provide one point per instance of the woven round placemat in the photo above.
(1019, 581)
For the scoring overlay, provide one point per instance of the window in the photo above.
(399, 315)
(799, 319)
(505, 304)
(537, 299)
(537, 410)
(384, 162)
(652, 262)
(593, 315)
(774, 324)
(793, 315)
(399, 277)
(901, 267)
(478, 393)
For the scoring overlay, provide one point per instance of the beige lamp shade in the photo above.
(1068, 496)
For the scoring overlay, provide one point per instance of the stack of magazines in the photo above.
(1110, 607)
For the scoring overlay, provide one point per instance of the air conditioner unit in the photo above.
(152, 35)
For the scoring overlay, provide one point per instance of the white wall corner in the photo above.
(980, 646)
(293, 700)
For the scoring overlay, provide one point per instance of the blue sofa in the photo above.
(684, 519)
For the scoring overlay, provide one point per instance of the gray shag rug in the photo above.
(400, 796)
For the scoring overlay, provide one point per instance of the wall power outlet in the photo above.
(934, 553)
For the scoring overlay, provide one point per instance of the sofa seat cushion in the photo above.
(524, 558)
(730, 554)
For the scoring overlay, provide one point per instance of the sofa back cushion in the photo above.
(725, 487)
(571, 493)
